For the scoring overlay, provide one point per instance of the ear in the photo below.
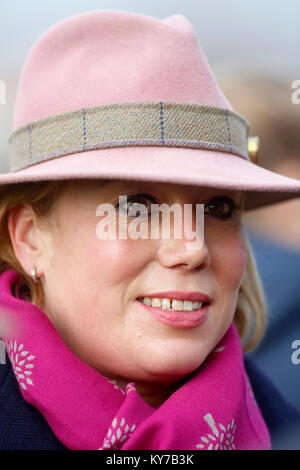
(24, 235)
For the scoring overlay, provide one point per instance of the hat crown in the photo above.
(104, 57)
(120, 95)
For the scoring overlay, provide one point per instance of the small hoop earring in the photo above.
(33, 275)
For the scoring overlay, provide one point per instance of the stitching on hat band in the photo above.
(160, 124)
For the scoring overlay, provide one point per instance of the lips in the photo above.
(178, 319)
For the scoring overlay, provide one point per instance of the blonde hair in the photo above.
(250, 312)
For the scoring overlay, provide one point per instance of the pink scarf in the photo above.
(214, 409)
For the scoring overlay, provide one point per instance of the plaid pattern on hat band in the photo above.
(129, 124)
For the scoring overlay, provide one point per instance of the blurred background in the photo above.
(254, 51)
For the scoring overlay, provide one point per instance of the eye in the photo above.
(137, 205)
(221, 207)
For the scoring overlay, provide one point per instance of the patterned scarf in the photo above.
(214, 408)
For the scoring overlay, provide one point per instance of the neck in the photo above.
(155, 394)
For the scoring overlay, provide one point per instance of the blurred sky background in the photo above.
(262, 34)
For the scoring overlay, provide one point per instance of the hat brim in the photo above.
(167, 165)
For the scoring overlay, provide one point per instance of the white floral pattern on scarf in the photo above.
(21, 362)
(129, 387)
(117, 434)
(222, 437)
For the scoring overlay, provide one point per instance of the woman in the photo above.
(121, 341)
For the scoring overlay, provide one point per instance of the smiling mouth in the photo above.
(173, 305)
(177, 318)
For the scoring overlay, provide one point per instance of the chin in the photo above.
(173, 370)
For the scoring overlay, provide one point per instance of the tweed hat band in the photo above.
(129, 124)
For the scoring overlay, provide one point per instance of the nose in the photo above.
(184, 253)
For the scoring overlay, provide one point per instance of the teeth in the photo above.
(165, 304)
(147, 301)
(197, 305)
(188, 305)
(177, 305)
(156, 302)
(172, 304)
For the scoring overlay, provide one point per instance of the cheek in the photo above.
(92, 262)
(228, 258)
(112, 263)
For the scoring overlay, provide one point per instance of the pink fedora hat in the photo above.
(119, 95)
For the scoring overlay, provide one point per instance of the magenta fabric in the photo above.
(214, 408)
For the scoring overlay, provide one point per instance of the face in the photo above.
(91, 285)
